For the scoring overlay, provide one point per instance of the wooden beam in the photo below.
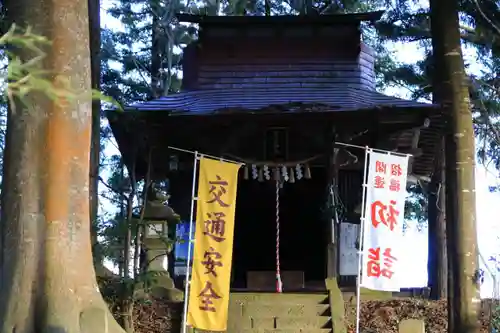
(235, 136)
(414, 146)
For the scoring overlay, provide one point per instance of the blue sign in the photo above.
(181, 246)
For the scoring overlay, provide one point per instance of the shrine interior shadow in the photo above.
(303, 230)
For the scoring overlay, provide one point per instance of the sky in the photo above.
(415, 265)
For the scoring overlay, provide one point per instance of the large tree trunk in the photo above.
(47, 279)
(95, 48)
(460, 183)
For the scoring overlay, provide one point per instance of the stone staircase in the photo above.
(279, 313)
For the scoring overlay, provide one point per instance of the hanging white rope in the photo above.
(279, 284)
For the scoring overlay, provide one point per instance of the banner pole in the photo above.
(204, 155)
(361, 236)
(190, 241)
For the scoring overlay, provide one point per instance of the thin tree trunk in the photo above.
(460, 187)
(126, 307)
(155, 50)
(126, 300)
(95, 47)
(438, 258)
(47, 279)
(121, 265)
(438, 263)
(123, 216)
(267, 7)
(139, 228)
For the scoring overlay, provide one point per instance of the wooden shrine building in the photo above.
(272, 92)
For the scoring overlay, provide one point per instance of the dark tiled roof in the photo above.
(335, 99)
(249, 19)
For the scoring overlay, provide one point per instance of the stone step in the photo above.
(278, 309)
(275, 330)
(295, 298)
(286, 322)
(268, 330)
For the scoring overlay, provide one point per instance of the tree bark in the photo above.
(156, 48)
(438, 260)
(126, 304)
(47, 279)
(437, 254)
(95, 148)
(460, 183)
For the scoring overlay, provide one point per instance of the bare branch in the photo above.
(483, 14)
(111, 188)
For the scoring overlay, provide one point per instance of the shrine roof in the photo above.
(286, 19)
(157, 122)
(285, 98)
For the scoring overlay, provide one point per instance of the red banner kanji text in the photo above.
(376, 268)
(385, 214)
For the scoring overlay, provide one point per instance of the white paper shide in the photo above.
(383, 221)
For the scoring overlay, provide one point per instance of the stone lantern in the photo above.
(157, 216)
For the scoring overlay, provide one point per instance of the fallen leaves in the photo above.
(158, 316)
(385, 316)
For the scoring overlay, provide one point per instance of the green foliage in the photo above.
(137, 64)
(416, 206)
(140, 62)
(479, 22)
(26, 75)
(495, 318)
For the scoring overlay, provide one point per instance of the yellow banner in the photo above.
(213, 247)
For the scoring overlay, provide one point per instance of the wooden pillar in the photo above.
(437, 254)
